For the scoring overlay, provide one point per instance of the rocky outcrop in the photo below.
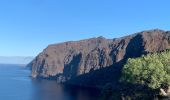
(66, 61)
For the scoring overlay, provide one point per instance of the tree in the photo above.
(152, 70)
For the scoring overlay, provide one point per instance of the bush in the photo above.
(152, 70)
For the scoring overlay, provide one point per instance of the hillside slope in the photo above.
(95, 61)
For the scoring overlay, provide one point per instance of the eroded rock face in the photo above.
(68, 60)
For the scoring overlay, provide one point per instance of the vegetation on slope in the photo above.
(151, 71)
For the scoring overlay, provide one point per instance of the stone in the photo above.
(68, 60)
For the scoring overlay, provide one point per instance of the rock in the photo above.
(168, 90)
(67, 61)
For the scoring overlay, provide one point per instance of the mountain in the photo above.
(15, 60)
(96, 61)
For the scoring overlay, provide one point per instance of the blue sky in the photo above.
(28, 26)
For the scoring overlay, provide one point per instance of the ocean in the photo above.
(16, 84)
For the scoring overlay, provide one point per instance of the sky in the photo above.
(29, 26)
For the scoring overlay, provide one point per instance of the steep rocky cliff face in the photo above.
(71, 60)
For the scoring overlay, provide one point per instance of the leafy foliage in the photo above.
(152, 70)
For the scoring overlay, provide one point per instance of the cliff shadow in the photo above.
(135, 47)
(71, 69)
(99, 78)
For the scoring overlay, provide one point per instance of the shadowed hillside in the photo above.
(96, 61)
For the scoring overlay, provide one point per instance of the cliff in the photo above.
(95, 61)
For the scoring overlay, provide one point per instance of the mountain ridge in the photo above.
(67, 61)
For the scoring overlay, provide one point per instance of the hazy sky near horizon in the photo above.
(28, 26)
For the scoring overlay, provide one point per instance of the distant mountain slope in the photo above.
(15, 60)
(97, 60)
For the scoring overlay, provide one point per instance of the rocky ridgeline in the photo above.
(92, 62)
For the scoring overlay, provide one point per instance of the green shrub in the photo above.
(152, 70)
